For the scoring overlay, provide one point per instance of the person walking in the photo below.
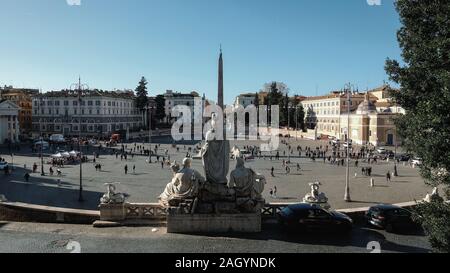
(27, 176)
(388, 177)
(288, 170)
(134, 169)
(126, 169)
(271, 192)
(271, 171)
(275, 192)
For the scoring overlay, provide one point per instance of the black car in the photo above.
(404, 157)
(308, 217)
(390, 217)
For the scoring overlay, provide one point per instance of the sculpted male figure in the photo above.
(246, 182)
(185, 184)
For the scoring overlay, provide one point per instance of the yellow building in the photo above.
(22, 98)
(371, 116)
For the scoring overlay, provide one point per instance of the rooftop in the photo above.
(127, 94)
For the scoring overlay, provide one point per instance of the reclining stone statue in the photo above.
(248, 186)
(111, 197)
(316, 197)
(185, 184)
(434, 196)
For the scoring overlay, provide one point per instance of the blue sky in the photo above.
(308, 44)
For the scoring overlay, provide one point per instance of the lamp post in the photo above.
(149, 109)
(41, 148)
(296, 122)
(80, 88)
(395, 152)
(347, 173)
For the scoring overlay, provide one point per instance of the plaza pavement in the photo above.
(149, 180)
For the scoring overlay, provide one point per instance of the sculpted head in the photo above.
(187, 162)
(175, 167)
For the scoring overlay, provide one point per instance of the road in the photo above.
(54, 238)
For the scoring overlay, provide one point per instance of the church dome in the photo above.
(366, 107)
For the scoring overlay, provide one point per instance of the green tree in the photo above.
(160, 107)
(256, 100)
(297, 114)
(275, 91)
(424, 92)
(141, 94)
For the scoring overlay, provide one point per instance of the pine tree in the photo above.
(425, 95)
(141, 94)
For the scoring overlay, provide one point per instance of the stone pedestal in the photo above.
(112, 212)
(214, 223)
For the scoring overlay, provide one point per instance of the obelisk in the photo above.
(220, 89)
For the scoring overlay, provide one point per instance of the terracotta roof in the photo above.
(88, 93)
(335, 94)
(384, 104)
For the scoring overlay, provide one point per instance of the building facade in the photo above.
(22, 97)
(246, 99)
(100, 113)
(370, 121)
(173, 99)
(9, 122)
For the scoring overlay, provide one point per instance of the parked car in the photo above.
(57, 138)
(416, 161)
(381, 150)
(308, 217)
(404, 157)
(45, 145)
(3, 165)
(389, 217)
(336, 141)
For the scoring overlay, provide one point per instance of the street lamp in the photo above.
(347, 173)
(41, 148)
(149, 109)
(80, 88)
(395, 151)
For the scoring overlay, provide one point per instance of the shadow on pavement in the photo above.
(42, 190)
(359, 237)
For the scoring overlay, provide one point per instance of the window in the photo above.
(57, 103)
(74, 103)
(97, 103)
(66, 103)
(90, 103)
